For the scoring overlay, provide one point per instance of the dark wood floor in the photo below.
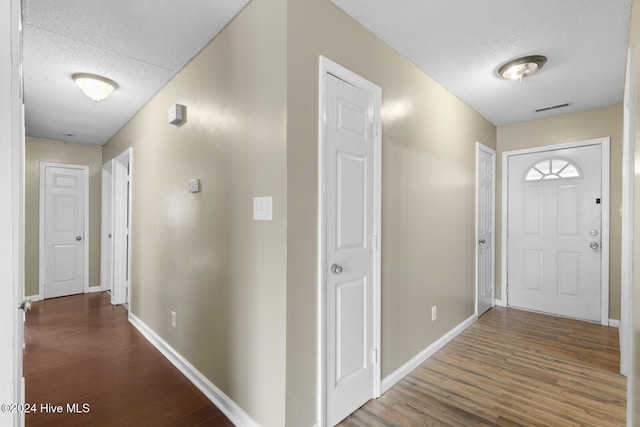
(81, 349)
(511, 368)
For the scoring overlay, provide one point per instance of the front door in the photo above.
(554, 231)
(64, 234)
(350, 113)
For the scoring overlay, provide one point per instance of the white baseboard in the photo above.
(231, 409)
(93, 289)
(412, 364)
(34, 298)
(613, 323)
(501, 303)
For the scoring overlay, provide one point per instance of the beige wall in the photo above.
(570, 128)
(44, 150)
(201, 255)
(428, 195)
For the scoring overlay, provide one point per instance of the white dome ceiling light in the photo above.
(95, 87)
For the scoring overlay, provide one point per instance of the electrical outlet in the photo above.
(173, 319)
(434, 313)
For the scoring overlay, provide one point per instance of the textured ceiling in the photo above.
(141, 44)
(138, 44)
(462, 43)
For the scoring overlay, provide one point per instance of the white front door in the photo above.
(64, 230)
(554, 231)
(350, 257)
(485, 171)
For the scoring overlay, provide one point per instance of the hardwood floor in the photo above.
(81, 349)
(511, 368)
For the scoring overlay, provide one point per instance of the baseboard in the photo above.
(613, 323)
(412, 364)
(93, 289)
(34, 298)
(501, 303)
(231, 409)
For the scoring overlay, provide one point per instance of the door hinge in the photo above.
(374, 128)
(374, 356)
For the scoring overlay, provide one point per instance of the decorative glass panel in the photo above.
(552, 169)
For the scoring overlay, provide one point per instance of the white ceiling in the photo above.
(139, 44)
(460, 43)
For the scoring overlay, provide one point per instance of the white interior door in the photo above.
(122, 171)
(11, 213)
(106, 232)
(64, 230)
(485, 218)
(350, 116)
(554, 231)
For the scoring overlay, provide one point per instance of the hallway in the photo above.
(81, 349)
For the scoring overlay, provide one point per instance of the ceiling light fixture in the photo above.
(522, 67)
(95, 87)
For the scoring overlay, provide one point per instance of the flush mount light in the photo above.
(95, 87)
(522, 67)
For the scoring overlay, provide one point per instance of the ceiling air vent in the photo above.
(553, 107)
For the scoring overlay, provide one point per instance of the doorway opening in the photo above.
(115, 260)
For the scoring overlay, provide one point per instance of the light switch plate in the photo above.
(263, 208)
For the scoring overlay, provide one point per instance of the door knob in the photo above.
(336, 269)
(78, 238)
(25, 305)
(482, 242)
(593, 233)
(593, 245)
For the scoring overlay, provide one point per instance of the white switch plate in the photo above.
(263, 208)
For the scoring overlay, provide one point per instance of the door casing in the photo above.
(326, 66)
(42, 249)
(605, 233)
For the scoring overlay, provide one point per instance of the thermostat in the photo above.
(193, 185)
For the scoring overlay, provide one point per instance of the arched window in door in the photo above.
(553, 169)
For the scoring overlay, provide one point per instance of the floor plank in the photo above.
(81, 349)
(511, 368)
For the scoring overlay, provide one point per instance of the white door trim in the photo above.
(41, 250)
(326, 66)
(492, 153)
(605, 144)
